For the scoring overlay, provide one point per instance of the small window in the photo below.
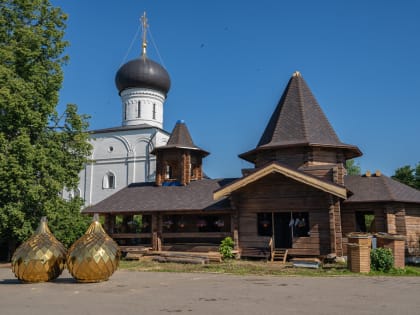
(125, 111)
(138, 109)
(365, 221)
(265, 224)
(108, 181)
(300, 224)
(154, 111)
(192, 169)
(168, 172)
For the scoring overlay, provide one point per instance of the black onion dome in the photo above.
(142, 73)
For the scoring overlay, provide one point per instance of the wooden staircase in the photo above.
(279, 254)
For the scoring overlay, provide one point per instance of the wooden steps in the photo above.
(279, 254)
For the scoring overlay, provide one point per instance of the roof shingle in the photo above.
(181, 139)
(146, 197)
(379, 189)
(299, 120)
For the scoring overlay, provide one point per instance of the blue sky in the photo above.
(229, 62)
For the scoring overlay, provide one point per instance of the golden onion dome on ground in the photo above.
(41, 258)
(95, 256)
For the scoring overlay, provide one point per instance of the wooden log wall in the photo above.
(276, 193)
(294, 157)
(412, 225)
(308, 157)
(393, 218)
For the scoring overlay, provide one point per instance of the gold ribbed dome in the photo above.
(95, 256)
(41, 258)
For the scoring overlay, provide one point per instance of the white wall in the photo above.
(126, 154)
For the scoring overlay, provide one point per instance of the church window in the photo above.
(138, 109)
(108, 181)
(154, 111)
(125, 111)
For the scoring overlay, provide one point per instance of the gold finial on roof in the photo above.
(144, 39)
(296, 74)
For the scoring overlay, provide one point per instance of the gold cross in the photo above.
(144, 41)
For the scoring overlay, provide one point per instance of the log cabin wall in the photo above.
(348, 218)
(325, 172)
(391, 217)
(412, 225)
(326, 163)
(292, 157)
(277, 194)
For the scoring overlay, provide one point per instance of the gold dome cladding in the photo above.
(95, 256)
(41, 258)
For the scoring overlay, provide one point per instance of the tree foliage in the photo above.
(352, 167)
(408, 175)
(41, 152)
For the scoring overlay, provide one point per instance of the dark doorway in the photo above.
(282, 231)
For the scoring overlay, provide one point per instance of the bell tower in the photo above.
(180, 161)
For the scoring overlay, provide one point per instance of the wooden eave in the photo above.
(312, 181)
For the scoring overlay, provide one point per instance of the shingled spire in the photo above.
(180, 160)
(298, 121)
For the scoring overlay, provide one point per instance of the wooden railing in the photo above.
(197, 235)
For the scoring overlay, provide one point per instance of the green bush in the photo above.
(226, 247)
(381, 259)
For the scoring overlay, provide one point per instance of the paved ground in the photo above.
(163, 293)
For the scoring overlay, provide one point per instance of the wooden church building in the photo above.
(297, 196)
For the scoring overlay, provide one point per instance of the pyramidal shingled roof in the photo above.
(181, 139)
(299, 120)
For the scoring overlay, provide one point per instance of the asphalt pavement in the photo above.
(130, 292)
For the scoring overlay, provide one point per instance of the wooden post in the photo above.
(106, 223)
(332, 226)
(391, 227)
(156, 232)
(110, 223)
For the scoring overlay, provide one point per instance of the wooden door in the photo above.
(282, 231)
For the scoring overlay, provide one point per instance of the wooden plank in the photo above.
(131, 235)
(197, 235)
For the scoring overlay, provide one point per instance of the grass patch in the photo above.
(234, 267)
(260, 268)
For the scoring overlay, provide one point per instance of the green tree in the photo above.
(408, 175)
(352, 167)
(41, 152)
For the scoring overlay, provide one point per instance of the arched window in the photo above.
(154, 111)
(138, 109)
(108, 181)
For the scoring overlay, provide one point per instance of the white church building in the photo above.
(121, 155)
